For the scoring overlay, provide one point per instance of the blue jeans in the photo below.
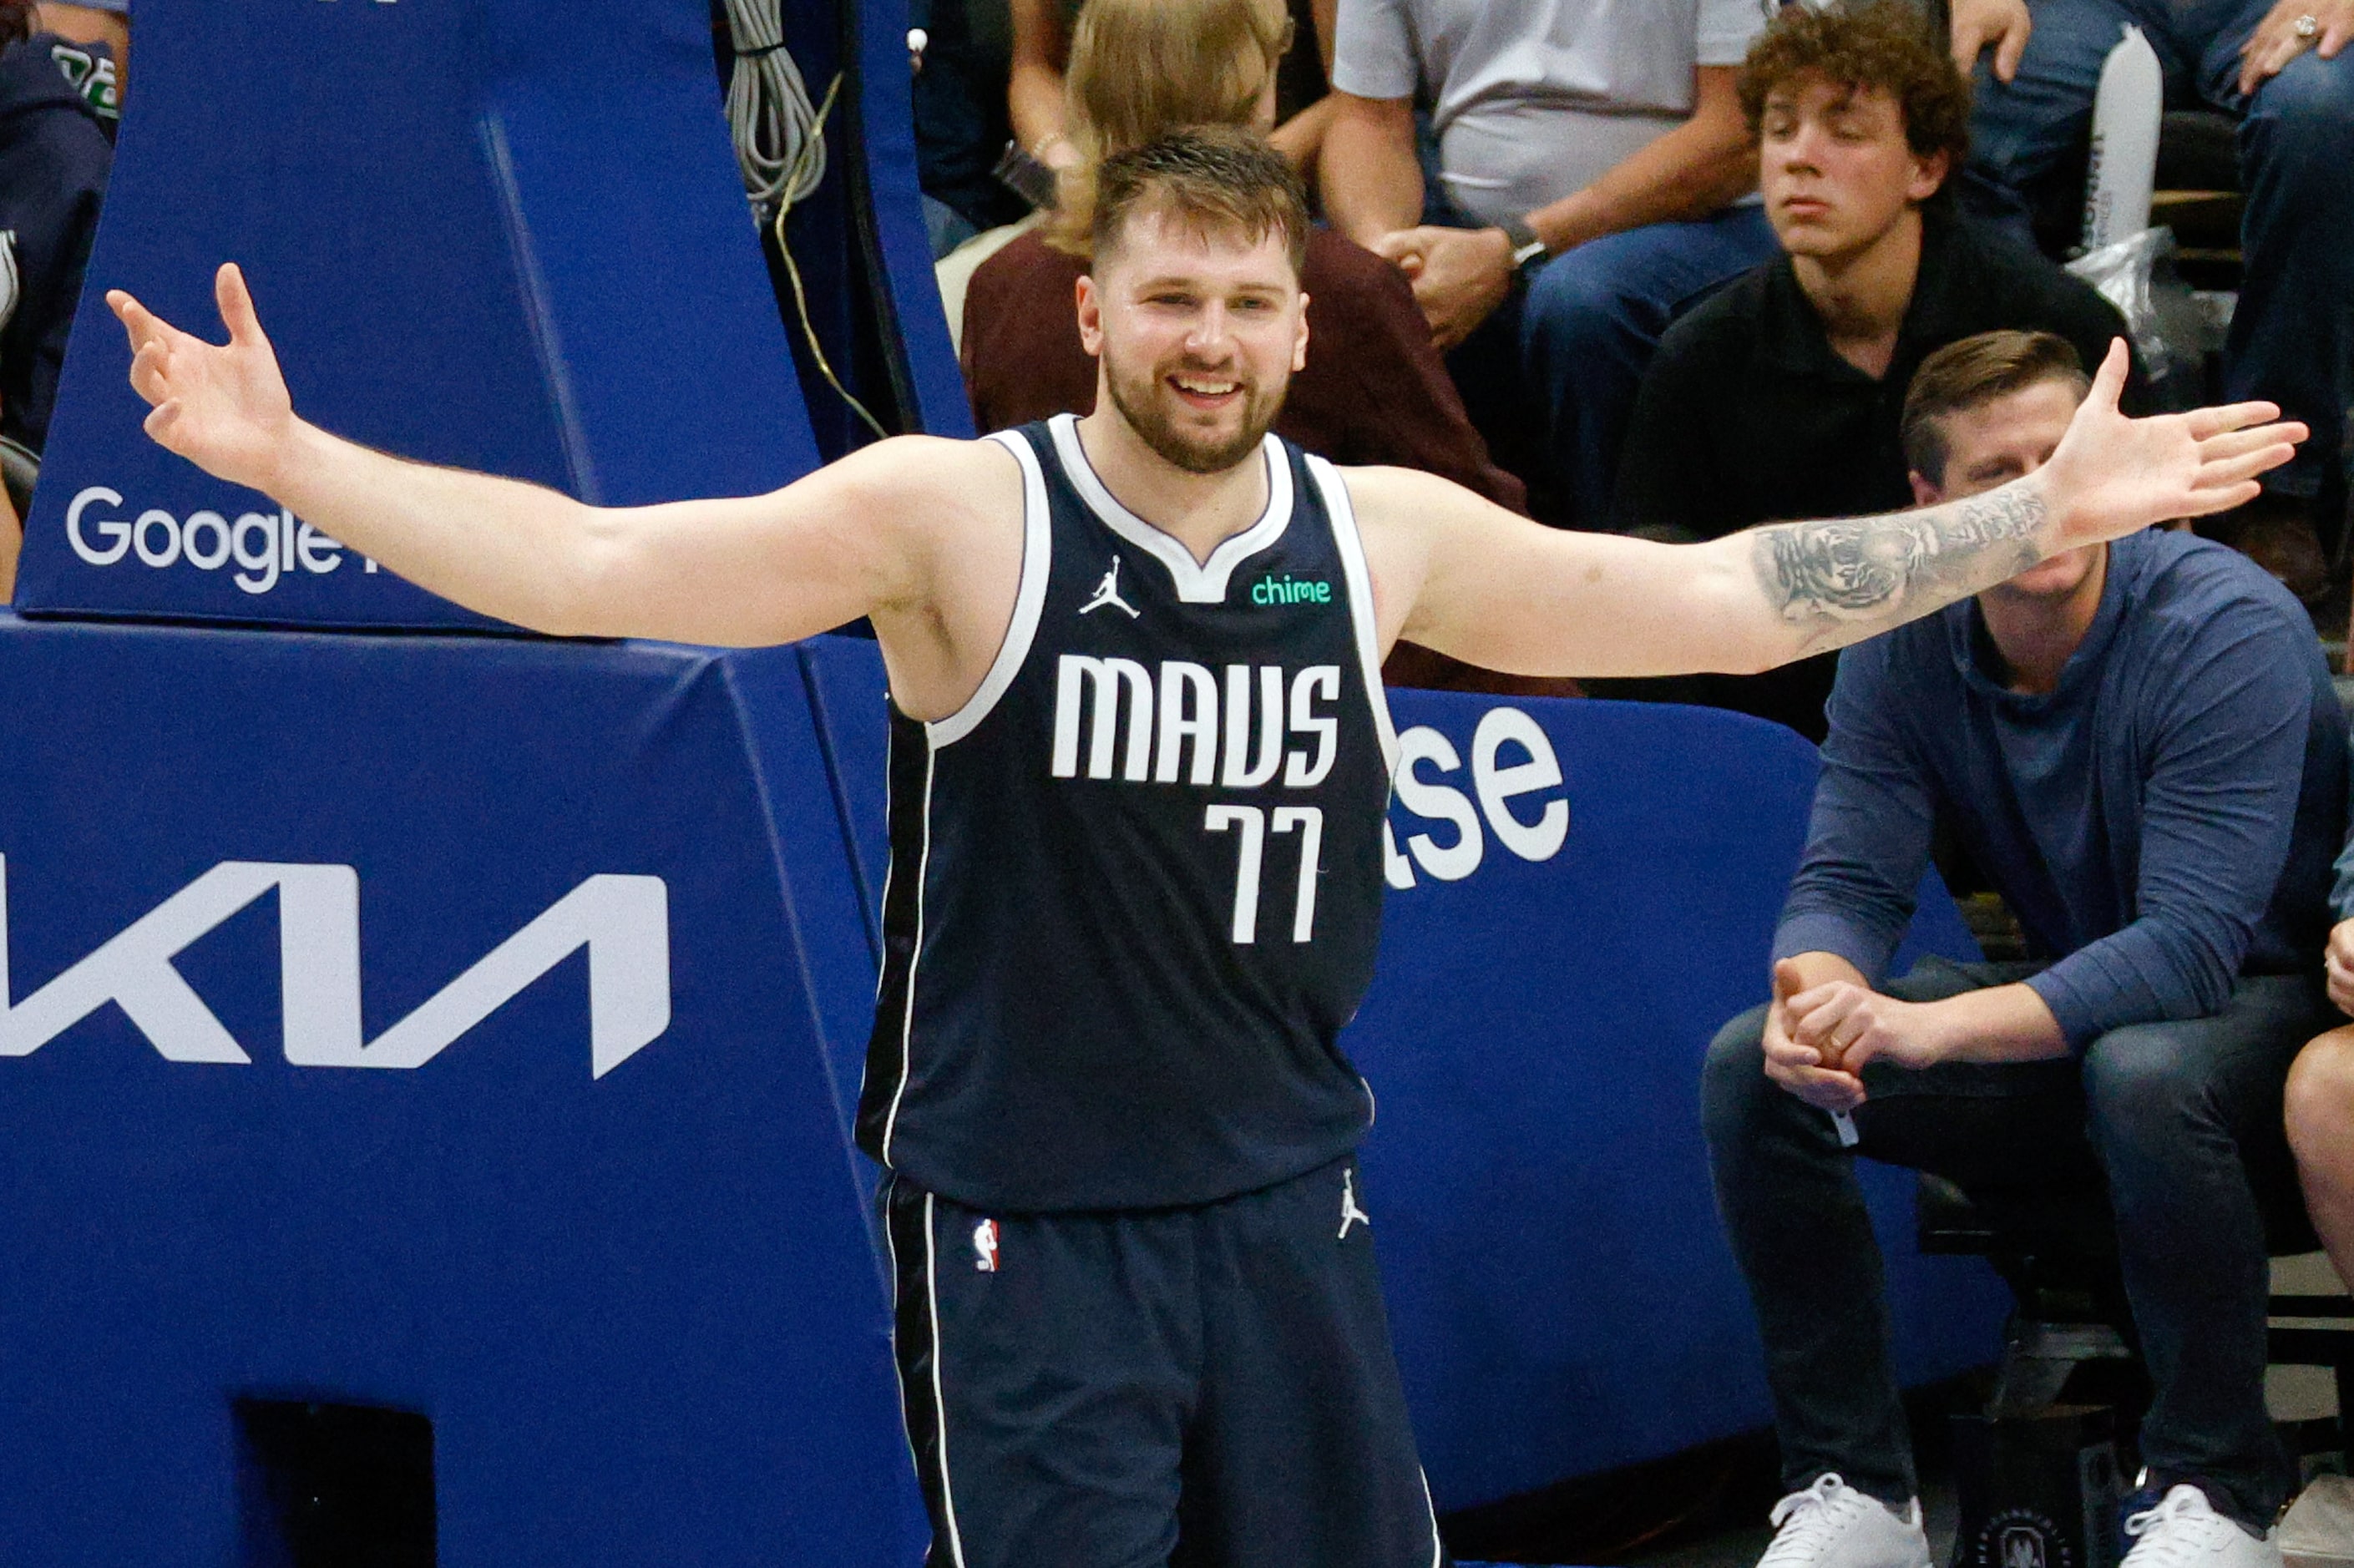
(1594, 316)
(1550, 378)
(2291, 338)
(2159, 1140)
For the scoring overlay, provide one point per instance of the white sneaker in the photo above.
(2185, 1532)
(1832, 1525)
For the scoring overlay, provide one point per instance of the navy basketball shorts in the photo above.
(1206, 1387)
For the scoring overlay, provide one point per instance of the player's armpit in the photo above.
(922, 536)
(895, 531)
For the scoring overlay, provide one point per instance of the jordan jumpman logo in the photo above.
(1349, 1214)
(1108, 592)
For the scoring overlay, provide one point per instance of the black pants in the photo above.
(1206, 1387)
(2176, 1126)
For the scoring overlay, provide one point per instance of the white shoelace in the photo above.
(1807, 1523)
(2180, 1531)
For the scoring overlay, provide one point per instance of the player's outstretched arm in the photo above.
(1470, 579)
(754, 570)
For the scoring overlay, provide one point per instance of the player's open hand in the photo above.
(2113, 476)
(222, 407)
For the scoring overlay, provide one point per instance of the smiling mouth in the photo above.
(1206, 391)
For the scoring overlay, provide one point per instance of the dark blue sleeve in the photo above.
(1868, 841)
(2228, 713)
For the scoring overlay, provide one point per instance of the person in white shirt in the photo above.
(1589, 185)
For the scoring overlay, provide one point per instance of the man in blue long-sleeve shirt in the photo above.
(2139, 746)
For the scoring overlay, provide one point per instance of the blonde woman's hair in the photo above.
(1142, 69)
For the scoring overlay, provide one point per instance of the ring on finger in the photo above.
(2307, 27)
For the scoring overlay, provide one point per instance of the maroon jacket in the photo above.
(1374, 390)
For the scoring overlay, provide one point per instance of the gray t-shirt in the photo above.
(1534, 100)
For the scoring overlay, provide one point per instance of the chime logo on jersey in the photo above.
(1290, 589)
(1162, 731)
(984, 1246)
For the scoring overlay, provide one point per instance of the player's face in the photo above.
(1835, 168)
(2003, 439)
(1198, 334)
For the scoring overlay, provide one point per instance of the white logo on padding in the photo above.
(622, 921)
(1108, 592)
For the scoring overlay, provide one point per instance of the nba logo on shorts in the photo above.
(984, 1246)
(2022, 1547)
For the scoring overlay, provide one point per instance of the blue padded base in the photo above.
(641, 1306)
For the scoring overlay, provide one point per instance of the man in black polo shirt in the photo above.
(1781, 396)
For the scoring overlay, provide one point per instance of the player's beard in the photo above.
(1143, 402)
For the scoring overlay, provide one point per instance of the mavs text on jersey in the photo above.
(1136, 881)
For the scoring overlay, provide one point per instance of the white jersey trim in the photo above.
(1029, 600)
(1335, 492)
(898, 1371)
(939, 1400)
(1197, 582)
(915, 962)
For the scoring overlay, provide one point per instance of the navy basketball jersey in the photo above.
(1136, 882)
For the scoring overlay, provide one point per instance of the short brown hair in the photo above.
(1211, 178)
(1857, 44)
(1973, 373)
(1141, 69)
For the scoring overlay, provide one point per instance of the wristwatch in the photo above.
(1526, 246)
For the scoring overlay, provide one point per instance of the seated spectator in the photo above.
(1037, 98)
(1590, 162)
(961, 129)
(1778, 398)
(54, 160)
(91, 44)
(2275, 67)
(2139, 745)
(1373, 390)
(2321, 1093)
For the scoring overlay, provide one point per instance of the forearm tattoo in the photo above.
(1880, 571)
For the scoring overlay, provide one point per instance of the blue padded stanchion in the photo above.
(432, 1025)
(500, 234)
(907, 296)
(1593, 890)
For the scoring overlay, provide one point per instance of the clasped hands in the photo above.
(1818, 1038)
(1458, 275)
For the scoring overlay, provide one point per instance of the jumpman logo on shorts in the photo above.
(1108, 592)
(1349, 1214)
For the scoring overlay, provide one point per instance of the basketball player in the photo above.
(1139, 763)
